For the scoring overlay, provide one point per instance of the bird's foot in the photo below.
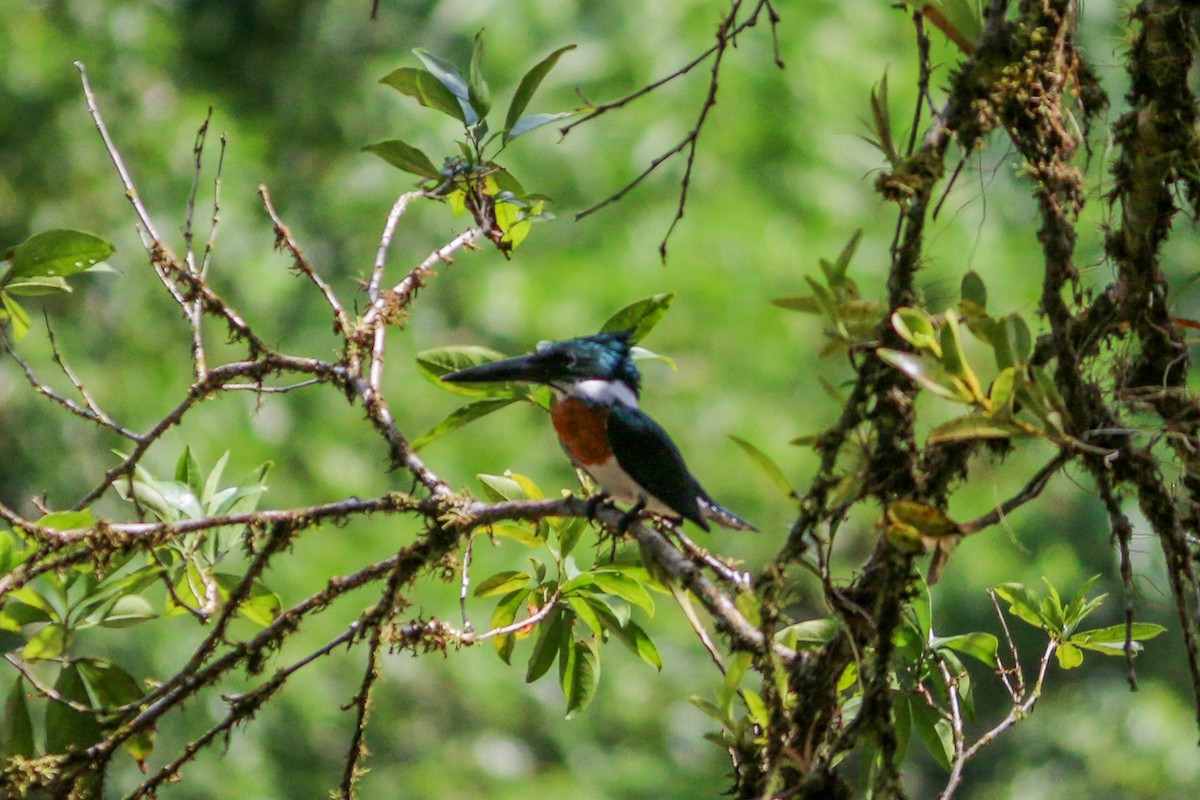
(630, 517)
(593, 503)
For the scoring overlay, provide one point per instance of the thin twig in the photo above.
(283, 239)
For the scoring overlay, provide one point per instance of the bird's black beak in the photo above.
(531, 368)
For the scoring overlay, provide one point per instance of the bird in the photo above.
(595, 413)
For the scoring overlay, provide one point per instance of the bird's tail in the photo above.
(724, 517)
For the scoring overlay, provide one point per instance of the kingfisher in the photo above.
(603, 431)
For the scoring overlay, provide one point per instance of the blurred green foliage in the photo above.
(782, 179)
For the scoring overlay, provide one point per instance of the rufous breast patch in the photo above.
(583, 429)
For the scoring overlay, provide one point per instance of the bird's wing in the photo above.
(643, 449)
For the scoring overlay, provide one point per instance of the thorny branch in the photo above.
(450, 519)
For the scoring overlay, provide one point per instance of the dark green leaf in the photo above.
(975, 426)
(449, 76)
(187, 471)
(553, 631)
(503, 616)
(16, 733)
(460, 417)
(58, 253)
(805, 304)
(528, 87)
(579, 674)
(641, 315)
(66, 727)
(406, 157)
(933, 731)
(111, 685)
(10, 640)
(427, 90)
(479, 94)
(973, 290)
(532, 122)
(502, 583)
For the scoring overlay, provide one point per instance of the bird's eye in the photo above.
(570, 359)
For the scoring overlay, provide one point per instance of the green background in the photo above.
(782, 178)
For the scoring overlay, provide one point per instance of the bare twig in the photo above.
(283, 239)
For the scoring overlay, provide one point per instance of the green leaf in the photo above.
(1069, 656)
(641, 315)
(570, 534)
(973, 290)
(478, 93)
(503, 616)
(1011, 341)
(448, 75)
(579, 674)
(532, 122)
(916, 328)
(18, 315)
(1116, 633)
(262, 606)
(406, 157)
(804, 304)
(982, 646)
(637, 640)
(6, 551)
(47, 643)
(460, 417)
(934, 732)
(31, 287)
(16, 729)
(524, 533)
(809, 634)
(501, 487)
(625, 588)
(768, 466)
(187, 471)
(926, 374)
(435, 363)
(528, 87)
(835, 273)
(1023, 603)
(111, 685)
(427, 90)
(213, 483)
(735, 671)
(66, 727)
(954, 359)
(68, 520)
(588, 608)
(975, 426)
(129, 610)
(58, 253)
(553, 631)
(10, 640)
(502, 583)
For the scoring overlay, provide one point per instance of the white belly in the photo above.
(620, 487)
